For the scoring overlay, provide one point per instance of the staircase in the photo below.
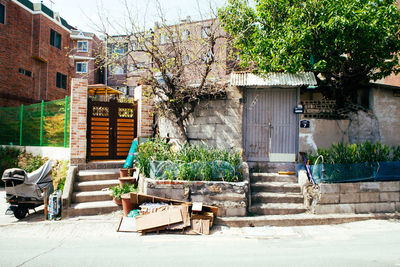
(274, 194)
(90, 195)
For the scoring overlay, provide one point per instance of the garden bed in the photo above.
(195, 173)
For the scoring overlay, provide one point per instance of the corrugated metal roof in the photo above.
(273, 79)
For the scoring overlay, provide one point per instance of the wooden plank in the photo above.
(100, 119)
(124, 133)
(124, 141)
(99, 145)
(122, 153)
(99, 137)
(99, 141)
(130, 137)
(98, 154)
(100, 123)
(99, 149)
(125, 120)
(99, 132)
(123, 145)
(130, 129)
(97, 128)
(125, 124)
(123, 149)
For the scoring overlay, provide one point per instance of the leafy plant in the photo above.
(29, 162)
(8, 159)
(59, 174)
(117, 191)
(191, 162)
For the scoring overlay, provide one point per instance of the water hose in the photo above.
(308, 172)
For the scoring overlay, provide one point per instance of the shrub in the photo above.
(8, 159)
(59, 174)
(118, 191)
(191, 162)
(356, 153)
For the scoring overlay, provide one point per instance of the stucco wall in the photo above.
(323, 133)
(387, 109)
(217, 123)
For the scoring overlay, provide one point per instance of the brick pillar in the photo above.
(145, 111)
(79, 96)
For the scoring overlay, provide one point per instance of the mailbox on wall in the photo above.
(298, 109)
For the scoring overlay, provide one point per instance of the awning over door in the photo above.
(248, 79)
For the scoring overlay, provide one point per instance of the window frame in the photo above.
(82, 50)
(81, 63)
(55, 39)
(4, 13)
(61, 80)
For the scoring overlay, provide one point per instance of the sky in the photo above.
(84, 14)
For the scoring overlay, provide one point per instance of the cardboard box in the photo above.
(159, 219)
(201, 227)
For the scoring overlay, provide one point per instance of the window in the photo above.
(25, 72)
(205, 32)
(61, 81)
(81, 67)
(82, 46)
(55, 39)
(2, 14)
(119, 48)
(116, 70)
(185, 35)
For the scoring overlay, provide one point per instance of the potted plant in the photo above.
(126, 172)
(116, 193)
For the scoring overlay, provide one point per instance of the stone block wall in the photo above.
(78, 120)
(217, 123)
(230, 198)
(365, 197)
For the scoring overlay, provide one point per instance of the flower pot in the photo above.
(117, 201)
(126, 172)
(126, 180)
(126, 203)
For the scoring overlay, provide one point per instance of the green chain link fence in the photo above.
(42, 124)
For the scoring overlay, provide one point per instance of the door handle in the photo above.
(270, 125)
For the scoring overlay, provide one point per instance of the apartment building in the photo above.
(130, 61)
(34, 47)
(85, 54)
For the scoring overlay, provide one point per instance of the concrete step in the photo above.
(90, 196)
(272, 177)
(277, 208)
(262, 197)
(97, 175)
(276, 187)
(91, 208)
(258, 166)
(299, 219)
(94, 185)
(102, 164)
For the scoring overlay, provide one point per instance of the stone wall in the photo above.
(230, 198)
(365, 197)
(217, 123)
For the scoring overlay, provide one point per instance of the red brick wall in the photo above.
(145, 112)
(25, 43)
(78, 120)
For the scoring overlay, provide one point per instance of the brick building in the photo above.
(34, 46)
(85, 53)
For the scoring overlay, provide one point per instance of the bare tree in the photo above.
(179, 62)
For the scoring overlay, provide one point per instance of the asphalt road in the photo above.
(93, 241)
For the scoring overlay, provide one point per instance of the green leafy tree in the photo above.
(347, 42)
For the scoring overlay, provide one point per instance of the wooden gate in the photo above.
(270, 125)
(111, 128)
